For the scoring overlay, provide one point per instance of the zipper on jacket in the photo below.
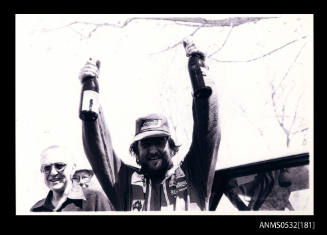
(149, 195)
(166, 195)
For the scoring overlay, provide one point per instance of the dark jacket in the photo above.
(186, 187)
(78, 199)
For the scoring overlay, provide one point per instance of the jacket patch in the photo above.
(137, 205)
(177, 182)
(138, 191)
(139, 180)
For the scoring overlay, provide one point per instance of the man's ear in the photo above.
(171, 151)
(137, 160)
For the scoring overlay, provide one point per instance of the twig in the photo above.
(289, 68)
(221, 47)
(176, 44)
(186, 21)
(259, 57)
(281, 124)
(302, 130)
(296, 108)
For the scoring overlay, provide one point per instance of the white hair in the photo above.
(58, 153)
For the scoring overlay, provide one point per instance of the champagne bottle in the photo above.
(195, 62)
(89, 102)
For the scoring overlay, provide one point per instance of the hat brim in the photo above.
(148, 134)
(82, 169)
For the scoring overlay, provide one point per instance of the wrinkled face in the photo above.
(56, 170)
(154, 155)
(82, 178)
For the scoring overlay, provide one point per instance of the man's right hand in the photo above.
(190, 47)
(90, 69)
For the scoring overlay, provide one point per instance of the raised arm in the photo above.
(200, 162)
(108, 168)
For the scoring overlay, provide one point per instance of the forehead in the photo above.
(156, 141)
(56, 154)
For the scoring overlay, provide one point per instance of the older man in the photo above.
(83, 177)
(58, 167)
(158, 185)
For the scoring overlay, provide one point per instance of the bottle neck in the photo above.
(198, 55)
(90, 83)
(88, 78)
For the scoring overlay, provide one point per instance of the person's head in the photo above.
(58, 167)
(83, 177)
(153, 146)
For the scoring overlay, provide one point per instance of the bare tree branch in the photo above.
(300, 131)
(92, 31)
(210, 23)
(96, 25)
(176, 44)
(45, 30)
(259, 57)
(249, 120)
(254, 125)
(281, 118)
(221, 47)
(189, 24)
(281, 124)
(273, 96)
(232, 21)
(295, 113)
(282, 93)
(185, 21)
(80, 34)
(289, 116)
(283, 113)
(289, 68)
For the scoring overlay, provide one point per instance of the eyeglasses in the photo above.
(78, 179)
(157, 141)
(59, 166)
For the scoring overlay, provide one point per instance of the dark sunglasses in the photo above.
(157, 141)
(59, 166)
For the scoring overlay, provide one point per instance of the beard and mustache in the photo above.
(150, 165)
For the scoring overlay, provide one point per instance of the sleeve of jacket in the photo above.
(200, 161)
(108, 168)
(102, 203)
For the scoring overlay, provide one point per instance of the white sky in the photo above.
(134, 81)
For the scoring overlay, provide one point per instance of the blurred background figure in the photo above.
(83, 175)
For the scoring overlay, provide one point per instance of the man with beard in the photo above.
(58, 167)
(158, 185)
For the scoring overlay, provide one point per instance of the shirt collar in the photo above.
(75, 193)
